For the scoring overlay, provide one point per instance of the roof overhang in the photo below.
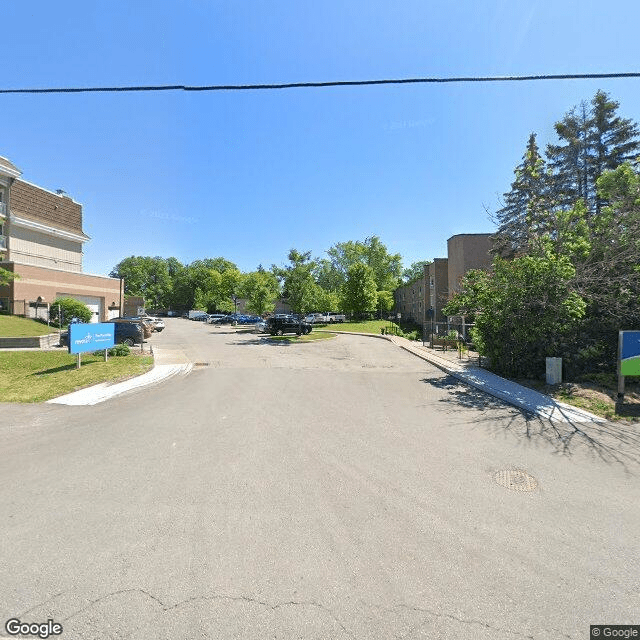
(47, 229)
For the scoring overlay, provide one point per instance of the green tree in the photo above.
(385, 301)
(6, 276)
(593, 139)
(328, 276)
(261, 290)
(386, 267)
(359, 293)
(145, 276)
(70, 309)
(325, 301)
(609, 274)
(524, 213)
(217, 264)
(525, 310)
(415, 271)
(298, 284)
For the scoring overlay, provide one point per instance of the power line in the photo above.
(315, 85)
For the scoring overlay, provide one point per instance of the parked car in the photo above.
(262, 326)
(147, 326)
(278, 326)
(124, 333)
(157, 323)
(316, 318)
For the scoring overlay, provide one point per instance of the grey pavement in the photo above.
(516, 394)
(174, 359)
(465, 370)
(340, 489)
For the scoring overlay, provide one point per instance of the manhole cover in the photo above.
(516, 480)
(200, 364)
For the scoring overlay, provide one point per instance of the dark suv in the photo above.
(278, 326)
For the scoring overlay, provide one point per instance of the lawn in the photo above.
(17, 327)
(36, 376)
(596, 393)
(366, 326)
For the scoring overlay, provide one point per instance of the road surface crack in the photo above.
(220, 597)
(450, 616)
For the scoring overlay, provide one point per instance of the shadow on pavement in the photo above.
(611, 442)
(262, 339)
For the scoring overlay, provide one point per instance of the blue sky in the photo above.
(249, 175)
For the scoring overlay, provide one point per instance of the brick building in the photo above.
(467, 251)
(441, 278)
(41, 241)
(414, 300)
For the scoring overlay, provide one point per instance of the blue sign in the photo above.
(91, 337)
(630, 353)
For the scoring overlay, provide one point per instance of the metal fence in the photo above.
(463, 329)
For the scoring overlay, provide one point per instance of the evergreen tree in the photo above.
(593, 139)
(614, 140)
(523, 215)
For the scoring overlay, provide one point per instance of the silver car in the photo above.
(260, 327)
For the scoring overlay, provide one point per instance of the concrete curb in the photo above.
(105, 391)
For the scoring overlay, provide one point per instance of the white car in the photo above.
(157, 323)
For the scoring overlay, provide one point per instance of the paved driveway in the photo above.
(338, 489)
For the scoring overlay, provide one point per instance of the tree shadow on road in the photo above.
(266, 340)
(609, 441)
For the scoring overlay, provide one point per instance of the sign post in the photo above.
(628, 359)
(91, 337)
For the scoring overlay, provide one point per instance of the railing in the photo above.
(3, 242)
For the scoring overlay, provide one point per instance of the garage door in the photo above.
(94, 304)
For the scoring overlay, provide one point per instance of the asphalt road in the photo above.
(339, 489)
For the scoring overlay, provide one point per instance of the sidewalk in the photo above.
(467, 371)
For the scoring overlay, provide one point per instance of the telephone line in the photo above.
(316, 85)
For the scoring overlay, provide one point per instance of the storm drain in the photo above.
(200, 364)
(516, 480)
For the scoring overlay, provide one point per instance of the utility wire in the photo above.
(312, 85)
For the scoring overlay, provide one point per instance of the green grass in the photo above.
(309, 337)
(599, 407)
(366, 326)
(36, 376)
(17, 327)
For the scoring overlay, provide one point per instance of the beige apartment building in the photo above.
(467, 251)
(416, 300)
(441, 278)
(41, 240)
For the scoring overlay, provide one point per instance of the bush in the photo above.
(118, 350)
(70, 308)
